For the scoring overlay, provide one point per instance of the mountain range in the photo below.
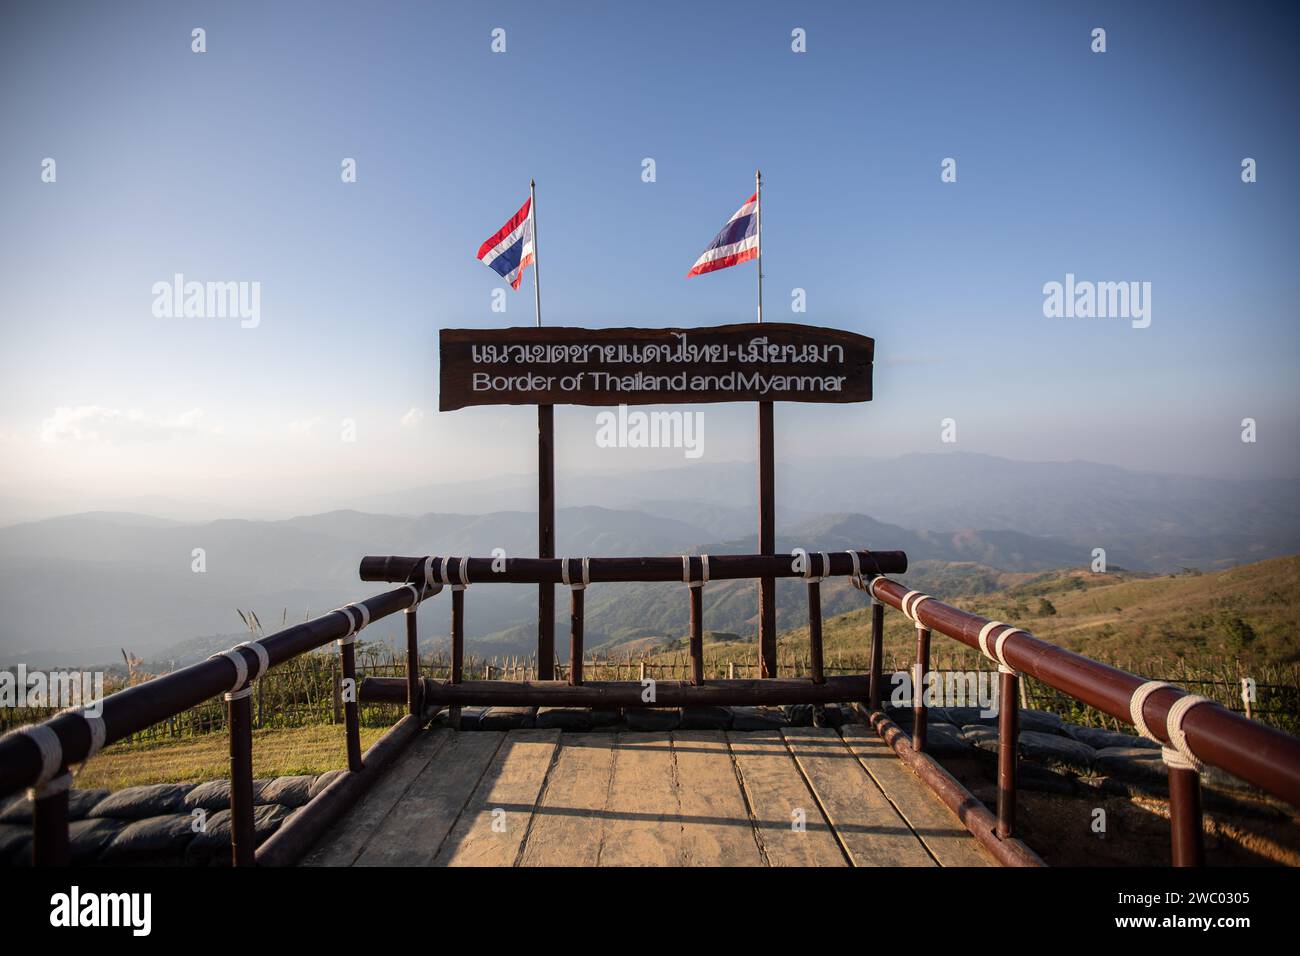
(77, 588)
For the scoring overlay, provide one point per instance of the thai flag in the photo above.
(736, 243)
(510, 251)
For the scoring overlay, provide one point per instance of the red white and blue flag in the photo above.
(510, 251)
(736, 243)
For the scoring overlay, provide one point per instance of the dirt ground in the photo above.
(1065, 830)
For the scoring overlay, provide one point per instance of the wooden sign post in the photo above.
(752, 362)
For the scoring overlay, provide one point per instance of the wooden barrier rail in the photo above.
(721, 567)
(578, 573)
(1260, 755)
(38, 757)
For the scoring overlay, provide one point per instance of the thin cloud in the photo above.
(95, 423)
(304, 426)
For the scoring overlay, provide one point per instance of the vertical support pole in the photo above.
(545, 538)
(351, 709)
(815, 631)
(576, 605)
(877, 652)
(458, 647)
(239, 706)
(414, 691)
(766, 541)
(1008, 750)
(697, 634)
(918, 687)
(50, 822)
(1185, 830)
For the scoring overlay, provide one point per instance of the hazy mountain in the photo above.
(1143, 520)
(76, 588)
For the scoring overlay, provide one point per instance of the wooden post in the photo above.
(1187, 838)
(815, 632)
(545, 538)
(1008, 751)
(766, 541)
(918, 687)
(240, 718)
(351, 711)
(413, 686)
(458, 646)
(50, 822)
(877, 651)
(575, 635)
(697, 634)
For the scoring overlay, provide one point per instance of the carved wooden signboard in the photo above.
(768, 362)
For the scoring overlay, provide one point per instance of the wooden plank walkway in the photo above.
(791, 797)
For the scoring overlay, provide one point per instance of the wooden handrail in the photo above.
(1258, 754)
(132, 709)
(722, 567)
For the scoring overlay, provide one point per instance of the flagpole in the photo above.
(537, 287)
(766, 485)
(545, 487)
(758, 212)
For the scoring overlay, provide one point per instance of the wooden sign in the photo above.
(767, 362)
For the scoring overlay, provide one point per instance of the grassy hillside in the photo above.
(1248, 614)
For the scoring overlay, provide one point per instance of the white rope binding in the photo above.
(1003, 666)
(263, 658)
(686, 571)
(47, 742)
(363, 613)
(808, 574)
(241, 666)
(995, 653)
(1180, 756)
(871, 589)
(1138, 701)
(586, 573)
(442, 573)
(985, 631)
(240, 694)
(855, 578)
(98, 732)
(416, 596)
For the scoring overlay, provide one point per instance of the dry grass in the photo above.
(276, 752)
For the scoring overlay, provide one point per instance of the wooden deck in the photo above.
(687, 798)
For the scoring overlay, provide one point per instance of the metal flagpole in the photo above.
(537, 287)
(758, 213)
(545, 487)
(766, 485)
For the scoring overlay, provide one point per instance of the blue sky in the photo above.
(225, 166)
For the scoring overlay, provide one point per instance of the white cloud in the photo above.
(413, 418)
(304, 426)
(95, 423)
